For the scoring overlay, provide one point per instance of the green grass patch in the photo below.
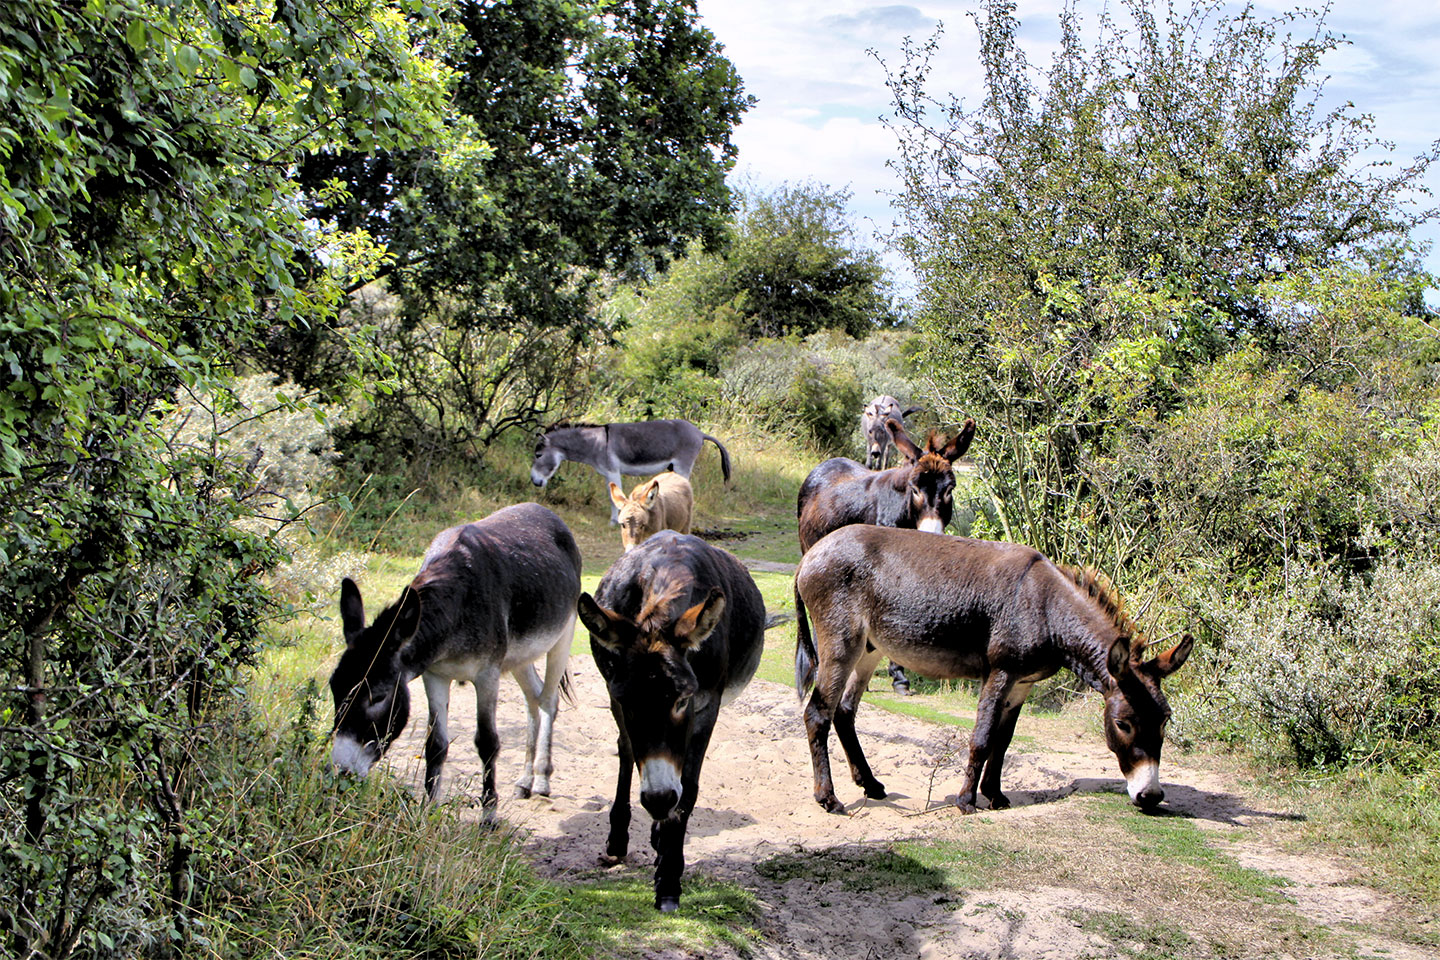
(619, 916)
(1135, 937)
(1176, 839)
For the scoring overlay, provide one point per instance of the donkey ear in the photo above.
(697, 623)
(1172, 660)
(407, 618)
(902, 440)
(352, 610)
(599, 621)
(956, 448)
(1118, 660)
(617, 495)
(910, 410)
(651, 492)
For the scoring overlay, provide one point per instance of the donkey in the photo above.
(1000, 613)
(677, 628)
(613, 449)
(663, 502)
(491, 596)
(919, 495)
(872, 425)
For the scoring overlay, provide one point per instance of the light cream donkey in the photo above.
(663, 502)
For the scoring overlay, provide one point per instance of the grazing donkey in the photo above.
(491, 596)
(613, 449)
(1000, 613)
(872, 425)
(677, 627)
(663, 502)
(919, 495)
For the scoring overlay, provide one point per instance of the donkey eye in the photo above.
(682, 704)
(1124, 727)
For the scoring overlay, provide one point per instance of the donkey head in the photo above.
(930, 478)
(638, 516)
(1136, 713)
(873, 423)
(372, 703)
(646, 663)
(546, 462)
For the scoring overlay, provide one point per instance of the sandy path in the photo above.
(755, 802)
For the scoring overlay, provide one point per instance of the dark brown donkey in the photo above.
(999, 613)
(918, 495)
(491, 596)
(677, 627)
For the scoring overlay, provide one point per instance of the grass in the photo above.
(1140, 939)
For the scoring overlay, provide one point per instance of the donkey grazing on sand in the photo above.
(877, 435)
(677, 628)
(664, 502)
(919, 495)
(491, 596)
(636, 449)
(1000, 613)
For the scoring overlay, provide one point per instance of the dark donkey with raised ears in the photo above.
(617, 449)
(677, 627)
(917, 495)
(999, 613)
(491, 596)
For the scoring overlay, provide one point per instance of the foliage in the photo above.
(149, 235)
(1086, 239)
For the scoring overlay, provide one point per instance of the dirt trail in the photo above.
(755, 804)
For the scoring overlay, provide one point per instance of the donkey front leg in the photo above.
(487, 738)
(845, 725)
(437, 738)
(993, 694)
(618, 843)
(668, 836)
(999, 743)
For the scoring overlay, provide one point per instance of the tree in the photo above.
(1087, 239)
(151, 234)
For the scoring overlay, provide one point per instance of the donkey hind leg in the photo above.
(487, 738)
(898, 681)
(667, 836)
(830, 677)
(529, 683)
(437, 737)
(994, 693)
(618, 843)
(542, 735)
(855, 687)
(1000, 742)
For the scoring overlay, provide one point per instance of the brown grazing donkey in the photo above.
(664, 502)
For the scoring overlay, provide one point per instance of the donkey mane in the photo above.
(1102, 590)
(932, 463)
(656, 607)
(570, 425)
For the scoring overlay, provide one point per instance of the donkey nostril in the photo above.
(1149, 798)
(659, 803)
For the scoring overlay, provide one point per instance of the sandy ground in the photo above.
(755, 803)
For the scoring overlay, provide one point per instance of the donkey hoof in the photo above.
(522, 791)
(964, 807)
(875, 790)
(831, 804)
(903, 689)
(608, 859)
(667, 904)
(999, 802)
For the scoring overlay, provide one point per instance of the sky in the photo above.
(821, 95)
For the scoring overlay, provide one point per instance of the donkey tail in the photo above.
(805, 656)
(567, 689)
(724, 455)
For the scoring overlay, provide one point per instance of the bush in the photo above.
(1334, 669)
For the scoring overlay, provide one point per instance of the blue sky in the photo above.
(821, 95)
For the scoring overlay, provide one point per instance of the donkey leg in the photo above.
(437, 738)
(487, 738)
(618, 843)
(668, 836)
(556, 661)
(993, 694)
(898, 681)
(1000, 742)
(845, 725)
(530, 686)
(818, 714)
